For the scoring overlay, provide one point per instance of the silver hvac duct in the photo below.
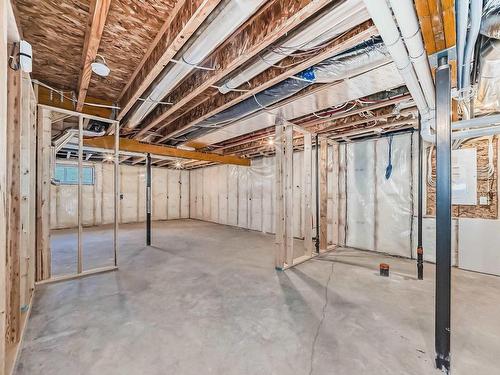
(69, 134)
(488, 93)
(476, 10)
(490, 23)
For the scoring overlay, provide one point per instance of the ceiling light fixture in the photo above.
(186, 148)
(100, 67)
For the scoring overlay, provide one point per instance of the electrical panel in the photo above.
(464, 176)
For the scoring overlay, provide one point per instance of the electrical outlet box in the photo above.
(484, 201)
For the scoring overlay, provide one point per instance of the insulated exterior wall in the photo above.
(297, 227)
(159, 194)
(130, 178)
(170, 192)
(235, 195)
(361, 195)
(245, 196)
(222, 194)
(232, 194)
(394, 196)
(379, 209)
(342, 184)
(174, 194)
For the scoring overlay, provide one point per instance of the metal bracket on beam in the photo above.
(450, 52)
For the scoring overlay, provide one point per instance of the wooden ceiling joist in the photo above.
(266, 79)
(391, 125)
(182, 26)
(379, 111)
(138, 160)
(275, 20)
(369, 107)
(55, 99)
(130, 145)
(97, 19)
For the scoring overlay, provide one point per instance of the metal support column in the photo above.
(148, 200)
(79, 263)
(420, 249)
(443, 214)
(317, 194)
(116, 192)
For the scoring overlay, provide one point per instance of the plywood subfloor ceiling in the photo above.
(56, 31)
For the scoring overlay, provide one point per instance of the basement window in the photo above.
(68, 174)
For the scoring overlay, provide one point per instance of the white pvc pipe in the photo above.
(382, 17)
(476, 122)
(475, 133)
(335, 22)
(426, 132)
(410, 30)
(230, 18)
(462, 10)
(476, 10)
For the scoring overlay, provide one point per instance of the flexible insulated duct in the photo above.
(354, 61)
(69, 134)
(232, 16)
(476, 9)
(328, 25)
(490, 24)
(462, 20)
(488, 93)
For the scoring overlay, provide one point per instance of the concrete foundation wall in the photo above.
(170, 191)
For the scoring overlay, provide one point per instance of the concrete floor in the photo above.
(97, 248)
(206, 300)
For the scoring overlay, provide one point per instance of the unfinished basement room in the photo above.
(250, 187)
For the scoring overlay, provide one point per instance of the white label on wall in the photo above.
(464, 176)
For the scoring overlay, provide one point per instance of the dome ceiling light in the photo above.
(100, 67)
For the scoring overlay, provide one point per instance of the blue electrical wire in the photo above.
(388, 170)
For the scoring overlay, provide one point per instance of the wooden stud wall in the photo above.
(279, 215)
(13, 309)
(288, 195)
(20, 210)
(323, 194)
(274, 195)
(307, 209)
(28, 191)
(44, 154)
(170, 189)
(3, 169)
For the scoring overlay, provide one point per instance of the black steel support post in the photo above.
(420, 248)
(148, 200)
(317, 194)
(443, 214)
